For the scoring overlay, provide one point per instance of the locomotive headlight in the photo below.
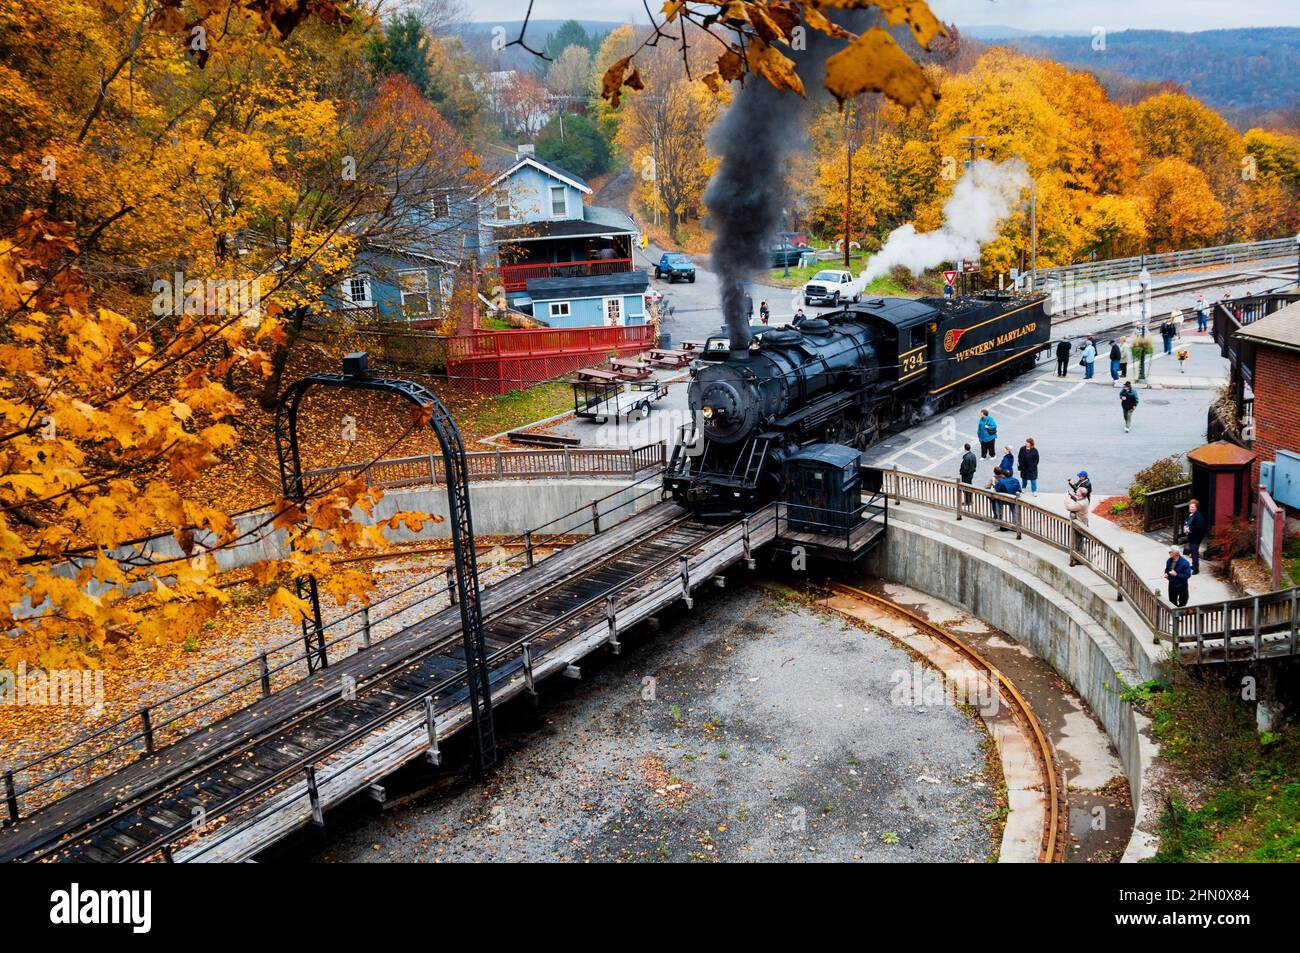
(707, 412)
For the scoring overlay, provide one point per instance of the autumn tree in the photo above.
(662, 131)
(220, 140)
(1181, 210)
(570, 75)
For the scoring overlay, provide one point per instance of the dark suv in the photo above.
(673, 265)
(784, 254)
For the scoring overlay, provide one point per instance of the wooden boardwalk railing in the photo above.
(1244, 629)
(426, 469)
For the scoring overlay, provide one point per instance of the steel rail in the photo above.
(236, 747)
(1051, 846)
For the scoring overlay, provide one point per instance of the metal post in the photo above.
(264, 674)
(686, 583)
(529, 683)
(146, 728)
(528, 548)
(451, 585)
(365, 627)
(749, 548)
(431, 726)
(595, 518)
(611, 619)
(313, 795)
(11, 797)
(433, 469)
(1015, 514)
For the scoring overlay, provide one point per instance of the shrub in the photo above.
(1233, 541)
(1160, 475)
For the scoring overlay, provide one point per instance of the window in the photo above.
(613, 311)
(559, 309)
(414, 288)
(559, 204)
(918, 335)
(441, 204)
(503, 205)
(357, 290)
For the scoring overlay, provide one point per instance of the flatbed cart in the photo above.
(600, 401)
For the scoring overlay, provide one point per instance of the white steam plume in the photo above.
(980, 202)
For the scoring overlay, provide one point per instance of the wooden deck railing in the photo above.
(1160, 507)
(1251, 627)
(505, 465)
(515, 277)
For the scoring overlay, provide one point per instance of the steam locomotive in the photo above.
(839, 379)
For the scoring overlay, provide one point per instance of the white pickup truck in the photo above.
(833, 286)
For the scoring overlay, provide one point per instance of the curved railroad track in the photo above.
(1052, 848)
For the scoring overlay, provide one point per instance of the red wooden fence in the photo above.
(498, 362)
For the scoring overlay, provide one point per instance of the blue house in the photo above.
(395, 285)
(566, 263)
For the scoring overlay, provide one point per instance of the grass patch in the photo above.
(516, 409)
(1208, 732)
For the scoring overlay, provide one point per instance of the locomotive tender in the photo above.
(840, 378)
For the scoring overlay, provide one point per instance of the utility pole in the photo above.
(848, 185)
(1033, 235)
(972, 143)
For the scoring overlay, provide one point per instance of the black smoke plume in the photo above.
(754, 139)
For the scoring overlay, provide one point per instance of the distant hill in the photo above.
(1239, 72)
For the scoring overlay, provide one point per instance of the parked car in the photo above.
(673, 265)
(785, 254)
(833, 286)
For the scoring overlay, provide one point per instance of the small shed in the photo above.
(1221, 481)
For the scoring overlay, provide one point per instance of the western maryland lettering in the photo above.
(995, 343)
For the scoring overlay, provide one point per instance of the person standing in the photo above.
(749, 307)
(1010, 486)
(764, 312)
(1008, 461)
(1194, 527)
(798, 319)
(1177, 570)
(1128, 401)
(1062, 358)
(987, 432)
(969, 463)
(1202, 314)
(1078, 499)
(1168, 330)
(1028, 461)
(1125, 356)
(1116, 356)
(1089, 359)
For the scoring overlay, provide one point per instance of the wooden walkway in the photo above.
(231, 789)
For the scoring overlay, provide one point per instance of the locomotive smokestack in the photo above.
(748, 193)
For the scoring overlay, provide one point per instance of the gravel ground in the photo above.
(750, 729)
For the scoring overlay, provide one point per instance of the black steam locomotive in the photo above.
(840, 378)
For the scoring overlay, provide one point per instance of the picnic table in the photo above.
(596, 374)
(670, 358)
(630, 369)
(693, 345)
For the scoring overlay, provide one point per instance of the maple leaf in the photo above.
(874, 62)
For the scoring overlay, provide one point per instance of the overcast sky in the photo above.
(1025, 14)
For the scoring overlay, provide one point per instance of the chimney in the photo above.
(523, 151)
